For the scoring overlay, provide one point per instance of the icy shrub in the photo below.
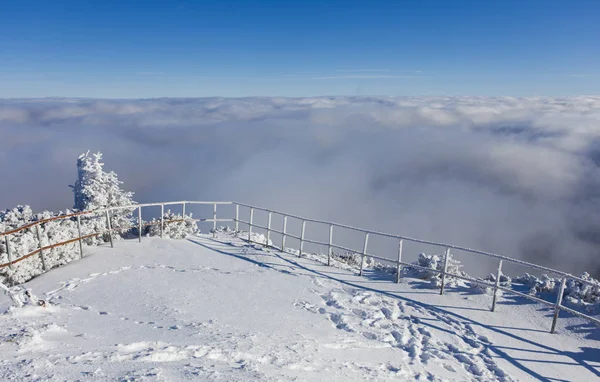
(582, 294)
(537, 285)
(176, 226)
(225, 230)
(96, 189)
(576, 292)
(254, 237)
(505, 281)
(432, 263)
(353, 259)
(58, 231)
(21, 243)
(25, 241)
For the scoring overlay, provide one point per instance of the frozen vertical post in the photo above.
(330, 249)
(302, 238)
(215, 220)
(496, 285)
(183, 211)
(399, 264)
(140, 224)
(39, 237)
(363, 254)
(8, 251)
(250, 225)
(284, 234)
(444, 270)
(162, 219)
(561, 290)
(269, 229)
(79, 233)
(237, 218)
(110, 236)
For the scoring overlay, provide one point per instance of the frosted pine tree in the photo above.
(97, 189)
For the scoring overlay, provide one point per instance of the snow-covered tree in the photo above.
(97, 189)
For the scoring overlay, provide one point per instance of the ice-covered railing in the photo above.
(37, 226)
(268, 227)
(558, 306)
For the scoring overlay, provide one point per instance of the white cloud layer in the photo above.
(515, 176)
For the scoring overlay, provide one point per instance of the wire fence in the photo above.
(303, 238)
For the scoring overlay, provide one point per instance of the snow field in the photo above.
(225, 310)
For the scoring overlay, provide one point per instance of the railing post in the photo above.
(39, 237)
(444, 270)
(79, 233)
(251, 222)
(109, 228)
(284, 234)
(330, 249)
(8, 251)
(162, 219)
(496, 285)
(268, 229)
(561, 290)
(183, 210)
(364, 252)
(237, 218)
(140, 224)
(302, 238)
(399, 265)
(214, 220)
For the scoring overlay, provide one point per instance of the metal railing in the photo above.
(558, 306)
(109, 228)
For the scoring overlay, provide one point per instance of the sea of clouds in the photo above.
(518, 176)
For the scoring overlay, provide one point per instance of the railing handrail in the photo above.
(335, 224)
(421, 241)
(96, 212)
(444, 272)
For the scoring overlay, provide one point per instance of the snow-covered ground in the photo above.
(206, 309)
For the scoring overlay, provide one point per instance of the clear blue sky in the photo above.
(152, 48)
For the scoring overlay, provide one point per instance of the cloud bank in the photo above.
(518, 176)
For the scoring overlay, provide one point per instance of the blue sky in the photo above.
(130, 49)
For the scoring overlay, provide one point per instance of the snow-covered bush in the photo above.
(576, 292)
(254, 237)
(176, 226)
(21, 242)
(537, 285)
(353, 259)
(505, 281)
(58, 231)
(582, 294)
(96, 189)
(25, 241)
(432, 263)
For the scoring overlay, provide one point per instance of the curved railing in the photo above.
(558, 306)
